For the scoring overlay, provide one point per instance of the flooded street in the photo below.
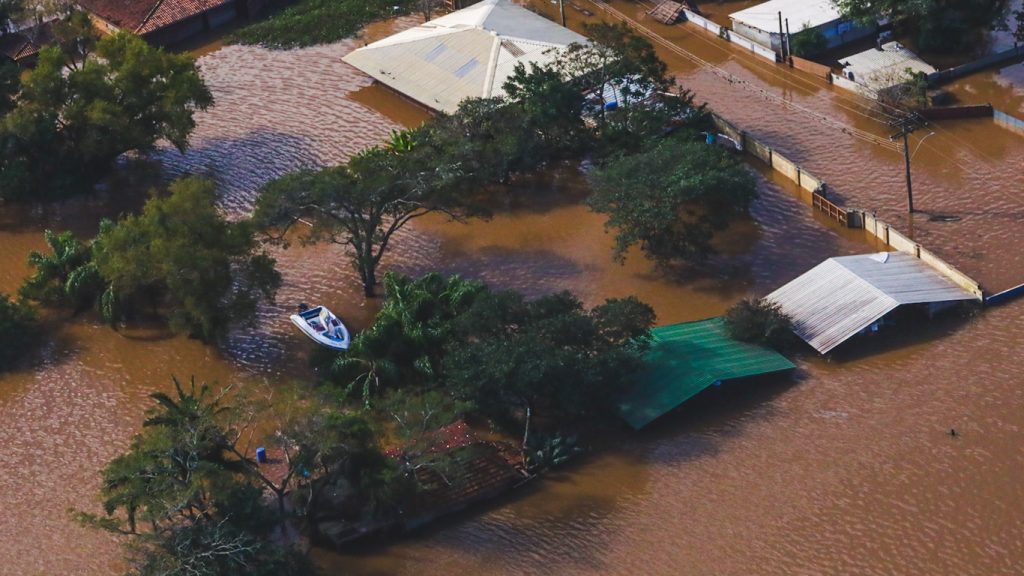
(848, 468)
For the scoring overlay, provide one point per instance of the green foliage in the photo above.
(548, 107)
(71, 123)
(515, 357)
(362, 204)
(17, 331)
(940, 25)
(409, 338)
(207, 271)
(311, 22)
(187, 499)
(760, 322)
(808, 42)
(550, 451)
(10, 84)
(672, 198)
(65, 276)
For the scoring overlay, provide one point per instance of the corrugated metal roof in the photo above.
(879, 69)
(466, 54)
(841, 296)
(801, 13)
(684, 359)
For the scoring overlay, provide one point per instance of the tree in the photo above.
(518, 359)
(17, 330)
(546, 103)
(808, 42)
(66, 276)
(185, 500)
(671, 199)
(363, 204)
(9, 11)
(70, 124)
(615, 54)
(759, 322)
(205, 271)
(410, 336)
(941, 25)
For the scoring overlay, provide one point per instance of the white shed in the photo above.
(838, 298)
(760, 23)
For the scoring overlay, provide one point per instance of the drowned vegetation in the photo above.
(457, 391)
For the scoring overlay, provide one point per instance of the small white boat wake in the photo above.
(323, 327)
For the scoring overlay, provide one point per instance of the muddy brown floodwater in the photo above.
(848, 468)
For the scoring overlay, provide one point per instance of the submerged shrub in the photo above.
(759, 322)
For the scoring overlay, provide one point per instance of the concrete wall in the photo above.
(766, 39)
(954, 112)
(897, 240)
(849, 217)
(812, 68)
(852, 86)
(949, 74)
(730, 36)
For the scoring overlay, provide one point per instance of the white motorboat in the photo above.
(323, 327)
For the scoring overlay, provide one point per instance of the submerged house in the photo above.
(882, 67)
(162, 21)
(849, 295)
(466, 54)
(762, 23)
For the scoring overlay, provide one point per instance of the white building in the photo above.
(466, 54)
(880, 68)
(761, 23)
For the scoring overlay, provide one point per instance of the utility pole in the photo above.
(782, 38)
(906, 126)
(561, 10)
(789, 40)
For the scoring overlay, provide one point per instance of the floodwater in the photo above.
(848, 468)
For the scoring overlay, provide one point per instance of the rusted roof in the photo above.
(145, 16)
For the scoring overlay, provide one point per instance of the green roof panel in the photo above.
(684, 359)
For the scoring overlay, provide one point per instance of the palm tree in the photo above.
(65, 275)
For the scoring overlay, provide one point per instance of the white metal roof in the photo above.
(841, 296)
(466, 54)
(879, 69)
(801, 14)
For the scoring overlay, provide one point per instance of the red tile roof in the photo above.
(145, 16)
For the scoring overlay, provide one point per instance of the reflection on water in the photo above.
(847, 469)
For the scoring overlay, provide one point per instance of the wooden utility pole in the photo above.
(906, 126)
(782, 38)
(561, 10)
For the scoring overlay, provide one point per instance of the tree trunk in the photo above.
(526, 433)
(369, 276)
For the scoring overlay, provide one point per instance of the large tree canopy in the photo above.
(362, 204)
(70, 122)
(672, 198)
(204, 270)
(187, 500)
(942, 25)
(179, 257)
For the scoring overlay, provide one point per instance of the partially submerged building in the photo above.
(162, 21)
(684, 360)
(883, 67)
(845, 296)
(765, 23)
(466, 54)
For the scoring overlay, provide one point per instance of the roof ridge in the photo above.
(152, 11)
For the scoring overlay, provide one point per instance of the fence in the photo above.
(954, 112)
(1008, 122)
(813, 68)
(730, 36)
(971, 67)
(846, 217)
